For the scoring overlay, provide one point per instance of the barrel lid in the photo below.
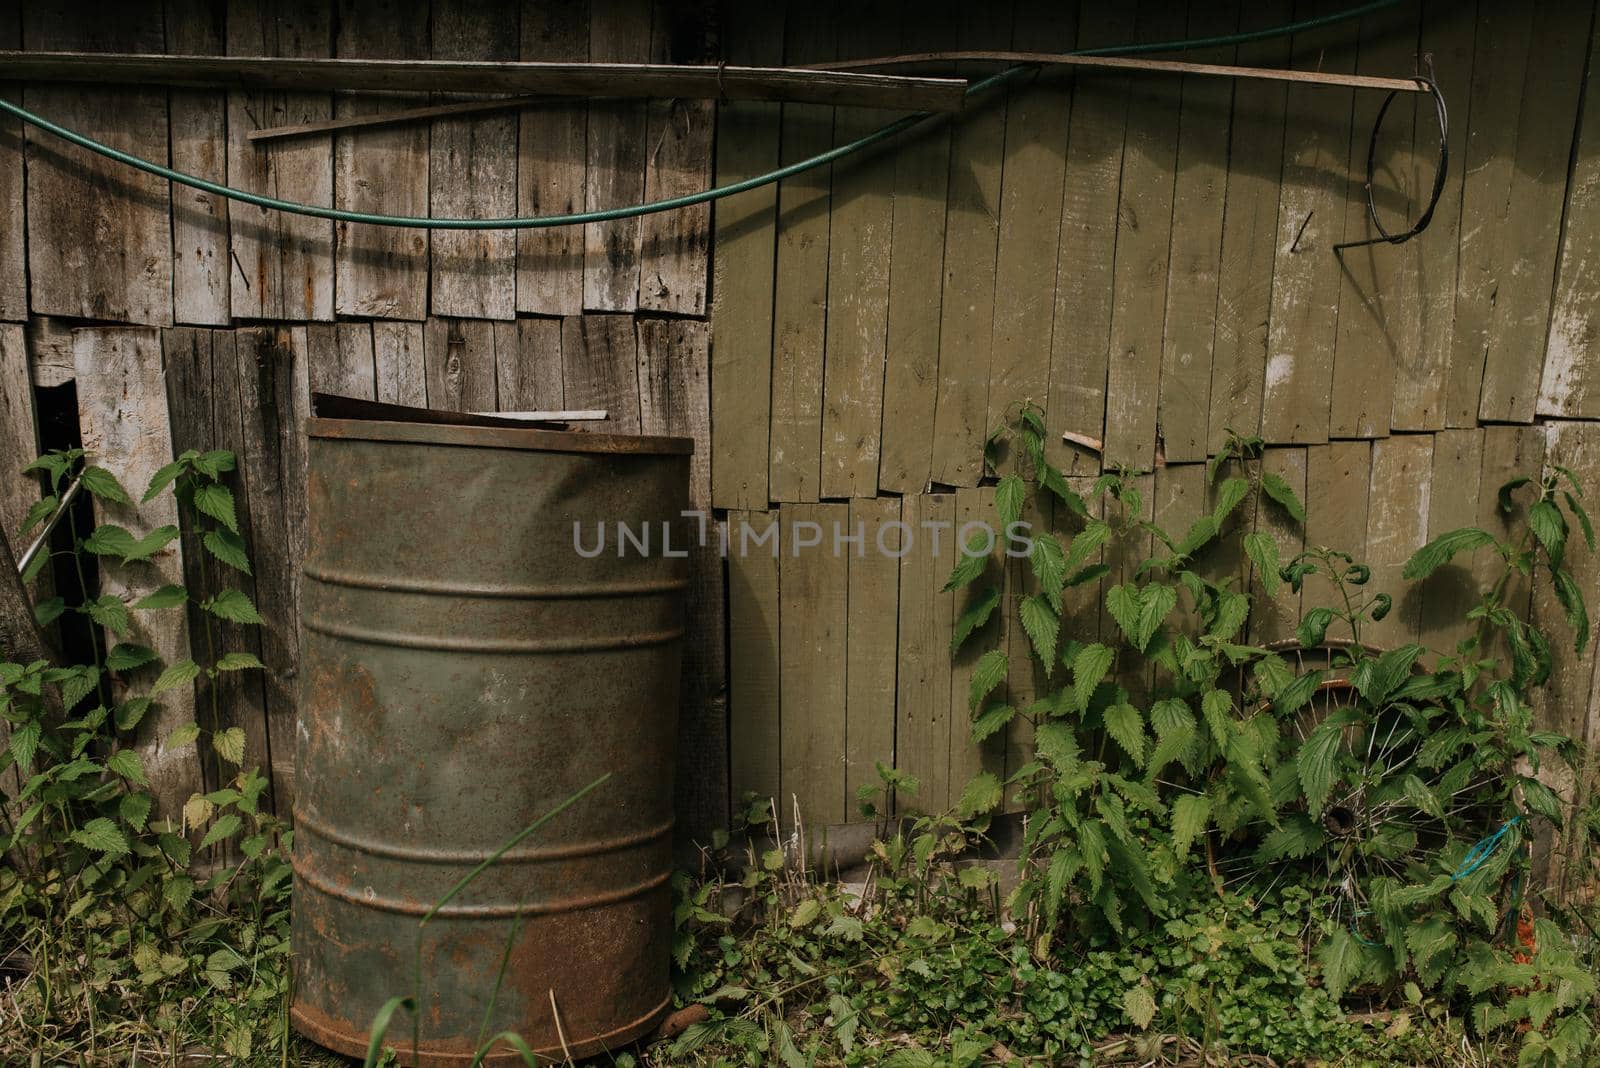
(344, 418)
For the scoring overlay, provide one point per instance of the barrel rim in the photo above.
(522, 439)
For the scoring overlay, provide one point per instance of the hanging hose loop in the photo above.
(1441, 169)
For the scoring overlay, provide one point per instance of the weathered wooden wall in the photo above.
(1146, 258)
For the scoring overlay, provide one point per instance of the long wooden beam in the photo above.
(590, 80)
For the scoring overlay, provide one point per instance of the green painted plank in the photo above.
(753, 701)
(1338, 478)
(922, 710)
(871, 652)
(974, 513)
(1452, 590)
(813, 589)
(1274, 618)
(1398, 510)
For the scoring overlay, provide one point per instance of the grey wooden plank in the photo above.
(674, 246)
(397, 353)
(674, 399)
(974, 510)
(341, 361)
(1398, 506)
(459, 356)
(197, 134)
(600, 369)
(472, 172)
(1274, 618)
(529, 374)
(619, 31)
(813, 599)
(922, 709)
(50, 350)
(283, 267)
(380, 271)
(1450, 592)
(75, 199)
(873, 638)
(1338, 478)
(122, 415)
(19, 436)
(552, 159)
(13, 208)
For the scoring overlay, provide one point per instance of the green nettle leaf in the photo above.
(38, 512)
(177, 891)
(165, 597)
(1229, 494)
(239, 662)
(992, 721)
(108, 539)
(215, 463)
(989, 673)
(1541, 799)
(1201, 531)
(1341, 962)
(1088, 668)
(161, 480)
(25, 743)
(1048, 561)
(216, 501)
(1272, 674)
(234, 606)
(1092, 573)
(1296, 839)
(103, 484)
(229, 745)
(131, 712)
(126, 762)
(1232, 610)
(1278, 491)
(1086, 544)
(1043, 627)
(228, 547)
(974, 561)
(1156, 602)
(1313, 626)
(179, 674)
(1582, 516)
(108, 611)
(151, 543)
(1055, 482)
(1063, 866)
(48, 611)
(1571, 598)
(1140, 1006)
(1122, 601)
(1550, 527)
(1125, 724)
(1431, 943)
(975, 615)
(182, 736)
(981, 795)
(1058, 745)
(1190, 814)
(127, 655)
(1262, 548)
(1008, 498)
(1174, 725)
(102, 835)
(1217, 708)
(1092, 846)
(135, 810)
(1441, 550)
(1317, 765)
(1422, 798)
(80, 684)
(224, 828)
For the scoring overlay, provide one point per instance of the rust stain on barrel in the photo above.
(466, 670)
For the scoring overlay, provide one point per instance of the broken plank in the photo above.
(860, 232)
(800, 297)
(673, 399)
(1398, 506)
(459, 357)
(916, 266)
(1033, 176)
(381, 271)
(813, 594)
(1305, 285)
(75, 198)
(341, 360)
(619, 32)
(401, 373)
(1249, 234)
(1081, 322)
(600, 369)
(966, 314)
(282, 263)
(1194, 266)
(197, 131)
(1379, 326)
(922, 708)
(674, 246)
(122, 415)
(870, 652)
(753, 723)
(552, 154)
(472, 173)
(741, 340)
(1520, 317)
(529, 374)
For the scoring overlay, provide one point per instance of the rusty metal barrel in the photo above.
(464, 669)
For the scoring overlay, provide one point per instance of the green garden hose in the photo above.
(581, 218)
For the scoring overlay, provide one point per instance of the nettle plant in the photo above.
(1176, 757)
(163, 904)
